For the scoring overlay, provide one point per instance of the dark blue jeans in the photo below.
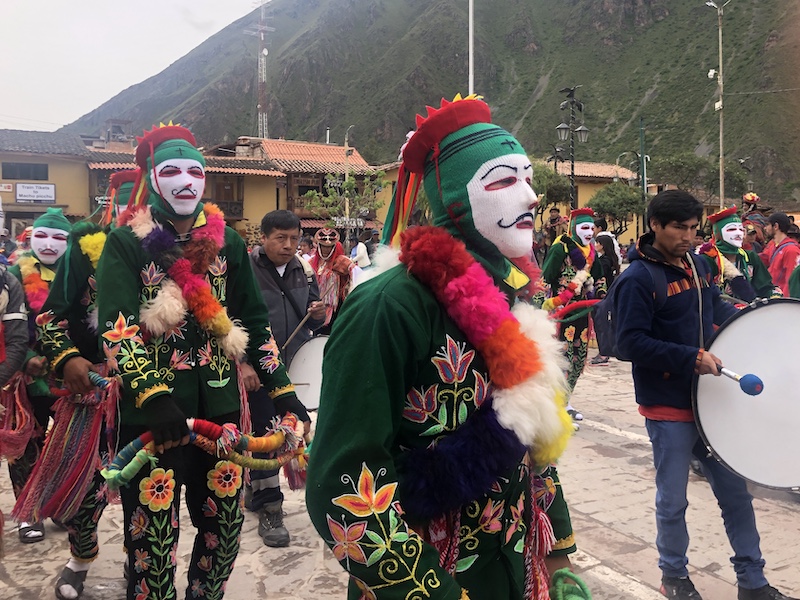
(674, 443)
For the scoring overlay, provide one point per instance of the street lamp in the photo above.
(570, 132)
(347, 153)
(718, 105)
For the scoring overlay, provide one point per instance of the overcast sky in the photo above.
(59, 60)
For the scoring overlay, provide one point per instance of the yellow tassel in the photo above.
(548, 453)
(92, 246)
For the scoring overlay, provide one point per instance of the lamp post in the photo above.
(570, 132)
(718, 106)
(347, 153)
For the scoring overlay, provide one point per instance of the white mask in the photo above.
(48, 244)
(503, 204)
(181, 182)
(584, 232)
(733, 233)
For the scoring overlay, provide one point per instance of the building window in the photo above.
(25, 171)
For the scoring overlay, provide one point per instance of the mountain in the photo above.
(375, 63)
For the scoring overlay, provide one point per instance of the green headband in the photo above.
(54, 219)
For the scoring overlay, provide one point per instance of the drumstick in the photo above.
(750, 384)
(308, 315)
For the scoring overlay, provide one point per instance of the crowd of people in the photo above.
(446, 382)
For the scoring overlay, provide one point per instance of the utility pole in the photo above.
(718, 105)
(261, 72)
(347, 153)
(642, 169)
(471, 86)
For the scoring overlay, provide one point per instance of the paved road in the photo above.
(608, 478)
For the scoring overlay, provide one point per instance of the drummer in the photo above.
(666, 336)
(290, 291)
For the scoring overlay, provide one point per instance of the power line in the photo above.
(17, 118)
(762, 92)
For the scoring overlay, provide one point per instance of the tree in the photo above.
(551, 188)
(618, 203)
(699, 175)
(345, 203)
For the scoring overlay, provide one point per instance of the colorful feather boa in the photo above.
(36, 288)
(524, 362)
(187, 287)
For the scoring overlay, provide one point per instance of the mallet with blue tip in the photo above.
(750, 384)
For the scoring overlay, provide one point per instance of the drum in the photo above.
(755, 436)
(305, 371)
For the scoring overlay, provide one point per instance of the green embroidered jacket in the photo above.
(67, 326)
(399, 374)
(186, 361)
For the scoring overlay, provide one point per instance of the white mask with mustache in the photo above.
(181, 182)
(733, 233)
(504, 204)
(49, 244)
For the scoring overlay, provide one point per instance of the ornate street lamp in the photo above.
(569, 131)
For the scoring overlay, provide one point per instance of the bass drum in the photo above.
(305, 371)
(755, 436)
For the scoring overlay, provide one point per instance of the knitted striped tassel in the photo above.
(64, 472)
(17, 424)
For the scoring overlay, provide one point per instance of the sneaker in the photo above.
(599, 360)
(763, 593)
(575, 414)
(270, 525)
(680, 588)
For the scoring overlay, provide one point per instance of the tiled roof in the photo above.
(42, 142)
(306, 157)
(596, 170)
(112, 161)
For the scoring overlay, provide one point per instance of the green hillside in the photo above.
(375, 63)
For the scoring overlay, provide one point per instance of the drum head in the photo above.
(755, 436)
(305, 371)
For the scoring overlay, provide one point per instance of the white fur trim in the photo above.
(142, 223)
(729, 270)
(91, 320)
(385, 258)
(531, 409)
(235, 342)
(166, 310)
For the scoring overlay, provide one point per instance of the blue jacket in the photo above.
(663, 343)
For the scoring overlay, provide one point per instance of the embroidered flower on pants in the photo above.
(204, 564)
(210, 508)
(211, 540)
(141, 560)
(142, 591)
(569, 333)
(198, 589)
(156, 491)
(225, 479)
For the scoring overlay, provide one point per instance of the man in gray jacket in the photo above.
(14, 342)
(291, 293)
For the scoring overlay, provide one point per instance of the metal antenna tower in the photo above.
(261, 73)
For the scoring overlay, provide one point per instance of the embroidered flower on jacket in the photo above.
(346, 537)
(121, 331)
(367, 500)
(489, 520)
(219, 266)
(420, 404)
(452, 361)
(271, 361)
(152, 275)
(156, 491)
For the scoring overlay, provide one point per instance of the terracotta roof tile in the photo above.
(597, 170)
(292, 156)
(113, 161)
(42, 142)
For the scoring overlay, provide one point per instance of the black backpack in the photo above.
(603, 312)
